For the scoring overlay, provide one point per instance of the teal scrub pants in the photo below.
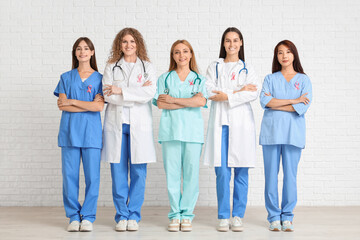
(182, 157)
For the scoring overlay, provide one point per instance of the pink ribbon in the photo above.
(233, 76)
(89, 89)
(139, 78)
(191, 82)
(297, 84)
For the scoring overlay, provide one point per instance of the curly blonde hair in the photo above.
(116, 53)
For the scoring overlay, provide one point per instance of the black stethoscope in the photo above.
(243, 69)
(197, 79)
(119, 66)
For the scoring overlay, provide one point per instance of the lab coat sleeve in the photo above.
(160, 89)
(211, 82)
(238, 98)
(301, 108)
(264, 100)
(141, 94)
(60, 88)
(109, 80)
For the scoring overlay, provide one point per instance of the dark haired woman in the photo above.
(180, 93)
(129, 86)
(80, 134)
(232, 85)
(286, 95)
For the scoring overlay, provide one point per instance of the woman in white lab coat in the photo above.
(231, 85)
(129, 84)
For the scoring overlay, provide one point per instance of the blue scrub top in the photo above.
(280, 127)
(80, 129)
(184, 124)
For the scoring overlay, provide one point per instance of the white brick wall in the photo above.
(36, 41)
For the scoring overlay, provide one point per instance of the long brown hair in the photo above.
(192, 64)
(116, 53)
(75, 61)
(276, 66)
(241, 53)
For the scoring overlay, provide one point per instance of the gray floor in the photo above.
(310, 223)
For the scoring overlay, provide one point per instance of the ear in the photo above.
(241, 43)
(92, 52)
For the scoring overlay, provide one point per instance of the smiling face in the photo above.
(83, 52)
(182, 55)
(232, 43)
(285, 56)
(128, 45)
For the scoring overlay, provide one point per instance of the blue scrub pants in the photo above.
(182, 157)
(290, 160)
(223, 177)
(128, 200)
(71, 157)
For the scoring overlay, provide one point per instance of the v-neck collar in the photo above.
(186, 79)
(78, 75)
(291, 80)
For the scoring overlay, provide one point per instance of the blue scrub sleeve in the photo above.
(301, 108)
(264, 100)
(203, 90)
(60, 88)
(160, 89)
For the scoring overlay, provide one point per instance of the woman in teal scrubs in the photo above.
(180, 93)
(80, 134)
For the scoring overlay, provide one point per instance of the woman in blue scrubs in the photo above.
(80, 135)
(286, 96)
(180, 93)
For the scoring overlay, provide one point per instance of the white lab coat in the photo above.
(236, 113)
(138, 99)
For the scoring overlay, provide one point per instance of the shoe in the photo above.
(74, 226)
(287, 226)
(121, 226)
(174, 225)
(186, 225)
(132, 225)
(275, 226)
(86, 226)
(223, 225)
(236, 225)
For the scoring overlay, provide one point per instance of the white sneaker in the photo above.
(223, 225)
(74, 226)
(121, 226)
(236, 224)
(287, 226)
(132, 225)
(174, 225)
(186, 225)
(86, 226)
(275, 226)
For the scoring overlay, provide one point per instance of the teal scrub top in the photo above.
(185, 124)
(80, 129)
(280, 127)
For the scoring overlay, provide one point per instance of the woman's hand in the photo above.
(62, 102)
(248, 87)
(147, 83)
(98, 98)
(166, 98)
(112, 90)
(302, 99)
(219, 97)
